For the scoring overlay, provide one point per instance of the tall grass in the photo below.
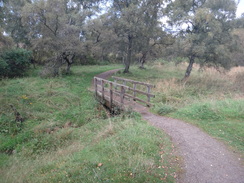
(210, 99)
(67, 136)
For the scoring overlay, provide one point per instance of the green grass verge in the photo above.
(221, 119)
(68, 137)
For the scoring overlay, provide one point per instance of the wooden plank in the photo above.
(106, 81)
(115, 85)
(99, 87)
(117, 92)
(95, 85)
(99, 93)
(138, 99)
(102, 89)
(107, 98)
(148, 95)
(133, 81)
(142, 92)
(111, 95)
(134, 89)
(122, 94)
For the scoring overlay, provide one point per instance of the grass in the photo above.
(67, 137)
(222, 119)
(211, 100)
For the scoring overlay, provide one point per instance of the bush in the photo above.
(14, 62)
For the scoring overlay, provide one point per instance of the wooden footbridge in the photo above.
(122, 92)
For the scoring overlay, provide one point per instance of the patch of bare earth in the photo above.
(206, 160)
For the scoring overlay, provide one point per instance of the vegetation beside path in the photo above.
(67, 137)
(210, 99)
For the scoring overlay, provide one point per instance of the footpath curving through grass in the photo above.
(67, 136)
(210, 100)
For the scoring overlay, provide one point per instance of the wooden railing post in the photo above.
(134, 92)
(111, 95)
(115, 84)
(122, 94)
(148, 91)
(95, 86)
(102, 84)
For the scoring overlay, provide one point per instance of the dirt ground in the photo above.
(206, 160)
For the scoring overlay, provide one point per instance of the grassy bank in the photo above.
(211, 100)
(67, 137)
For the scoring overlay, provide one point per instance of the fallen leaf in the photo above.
(99, 165)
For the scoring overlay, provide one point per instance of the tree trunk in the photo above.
(143, 60)
(68, 68)
(189, 68)
(69, 60)
(33, 63)
(129, 53)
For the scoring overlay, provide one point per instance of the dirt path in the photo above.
(206, 160)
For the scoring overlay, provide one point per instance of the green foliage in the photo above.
(14, 62)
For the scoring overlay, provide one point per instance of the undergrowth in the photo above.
(66, 136)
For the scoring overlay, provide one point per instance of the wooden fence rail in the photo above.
(108, 91)
(135, 84)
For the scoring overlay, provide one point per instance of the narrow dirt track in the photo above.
(206, 160)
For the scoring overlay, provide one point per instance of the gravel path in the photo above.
(206, 160)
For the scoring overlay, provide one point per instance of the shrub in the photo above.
(14, 62)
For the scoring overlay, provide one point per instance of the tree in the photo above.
(5, 41)
(132, 20)
(11, 21)
(207, 36)
(55, 28)
(100, 40)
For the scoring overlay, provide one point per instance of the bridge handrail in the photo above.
(100, 83)
(135, 91)
(133, 81)
(107, 81)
